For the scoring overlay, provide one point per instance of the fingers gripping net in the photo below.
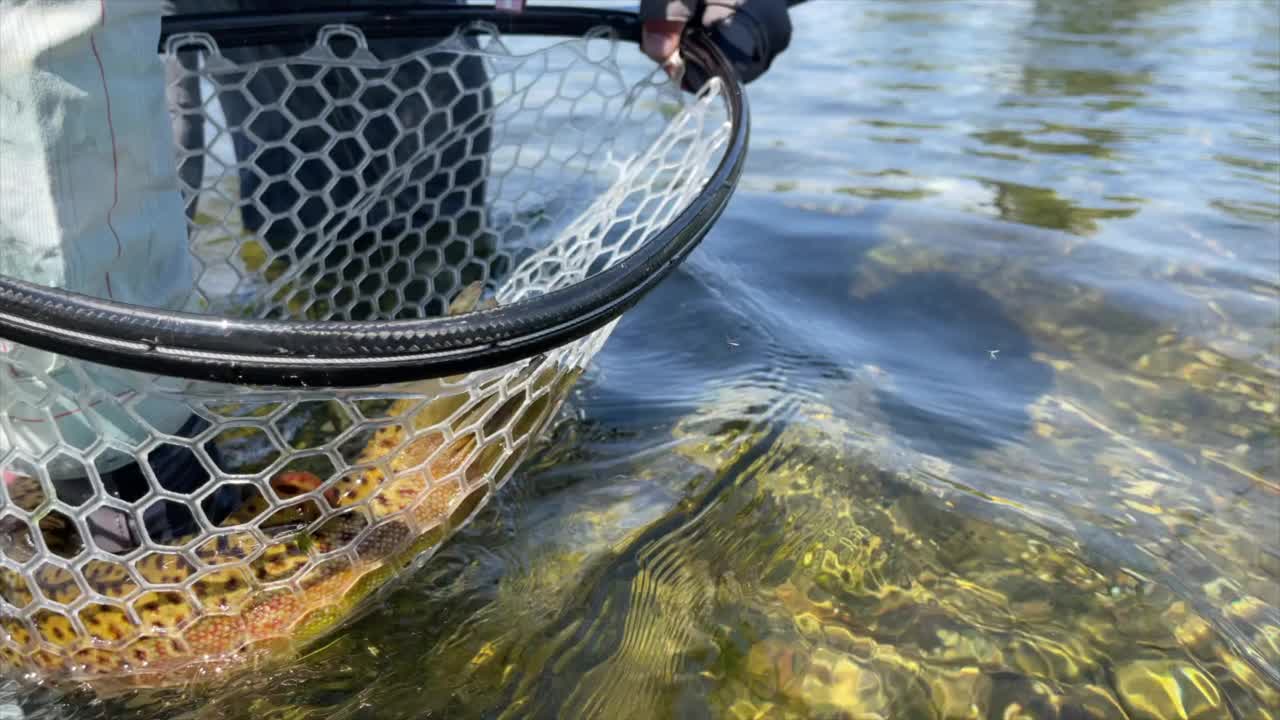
(154, 530)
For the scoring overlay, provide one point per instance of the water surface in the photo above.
(967, 407)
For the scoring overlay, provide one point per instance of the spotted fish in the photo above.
(244, 598)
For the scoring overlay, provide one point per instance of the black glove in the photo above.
(751, 33)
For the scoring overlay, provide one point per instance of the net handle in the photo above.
(291, 353)
(426, 19)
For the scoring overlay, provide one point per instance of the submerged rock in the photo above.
(1168, 690)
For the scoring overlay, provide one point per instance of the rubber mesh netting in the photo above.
(154, 529)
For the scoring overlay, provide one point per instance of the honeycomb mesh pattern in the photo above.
(155, 530)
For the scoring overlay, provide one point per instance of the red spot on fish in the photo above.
(295, 482)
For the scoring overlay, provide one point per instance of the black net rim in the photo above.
(292, 353)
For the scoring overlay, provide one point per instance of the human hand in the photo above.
(751, 33)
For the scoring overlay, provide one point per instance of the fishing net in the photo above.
(406, 251)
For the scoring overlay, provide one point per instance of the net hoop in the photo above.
(292, 353)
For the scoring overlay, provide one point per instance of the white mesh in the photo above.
(295, 505)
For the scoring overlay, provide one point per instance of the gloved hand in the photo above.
(751, 33)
